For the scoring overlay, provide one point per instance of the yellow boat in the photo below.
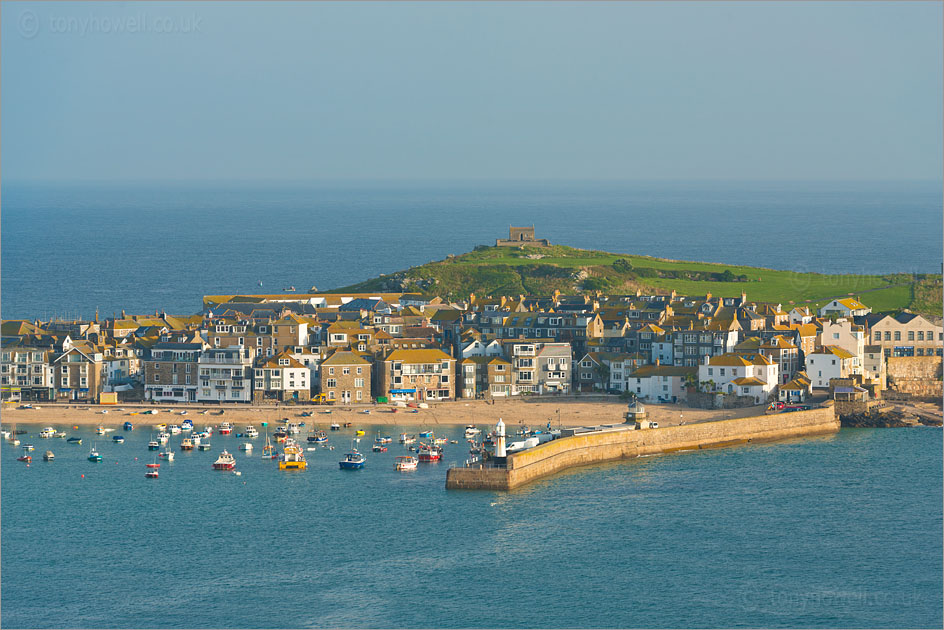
(292, 458)
(359, 432)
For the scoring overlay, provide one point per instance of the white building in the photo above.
(225, 375)
(663, 383)
(848, 336)
(845, 307)
(828, 362)
(752, 375)
(282, 378)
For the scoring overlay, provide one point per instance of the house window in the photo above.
(345, 371)
(911, 335)
(65, 369)
(358, 382)
(711, 371)
(65, 381)
(897, 335)
(157, 378)
(331, 382)
(359, 395)
(920, 335)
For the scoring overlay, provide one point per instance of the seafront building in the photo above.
(360, 348)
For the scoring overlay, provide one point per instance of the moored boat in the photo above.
(166, 454)
(25, 458)
(224, 462)
(292, 458)
(154, 445)
(378, 448)
(426, 434)
(128, 426)
(430, 453)
(74, 440)
(226, 428)
(48, 432)
(48, 456)
(335, 426)
(203, 446)
(94, 456)
(174, 429)
(405, 462)
(246, 446)
(163, 437)
(100, 430)
(28, 447)
(471, 431)
(186, 444)
(352, 461)
(251, 432)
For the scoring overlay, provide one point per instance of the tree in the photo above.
(622, 265)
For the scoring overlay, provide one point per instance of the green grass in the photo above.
(509, 271)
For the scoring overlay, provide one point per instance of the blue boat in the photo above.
(118, 439)
(74, 440)
(129, 426)
(426, 434)
(353, 460)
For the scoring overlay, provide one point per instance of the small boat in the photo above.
(366, 412)
(48, 432)
(405, 462)
(184, 413)
(48, 456)
(359, 432)
(174, 429)
(74, 440)
(161, 427)
(291, 288)
(154, 445)
(292, 458)
(293, 428)
(128, 426)
(224, 462)
(94, 456)
(118, 439)
(378, 448)
(150, 412)
(186, 425)
(28, 447)
(348, 424)
(186, 444)
(318, 438)
(247, 446)
(59, 434)
(471, 431)
(251, 432)
(24, 458)
(426, 434)
(196, 438)
(203, 446)
(100, 430)
(429, 453)
(166, 454)
(335, 426)
(267, 451)
(352, 461)
(280, 435)
(226, 428)
(163, 437)
(152, 473)
(440, 441)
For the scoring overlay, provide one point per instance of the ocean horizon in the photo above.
(162, 246)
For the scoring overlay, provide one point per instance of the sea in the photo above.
(71, 249)
(836, 531)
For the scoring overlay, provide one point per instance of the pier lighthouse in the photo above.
(500, 439)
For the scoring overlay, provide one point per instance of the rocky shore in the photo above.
(888, 419)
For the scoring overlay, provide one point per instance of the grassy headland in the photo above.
(541, 270)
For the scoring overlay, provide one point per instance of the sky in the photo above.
(125, 91)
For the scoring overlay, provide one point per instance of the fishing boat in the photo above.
(226, 428)
(352, 461)
(174, 429)
(186, 425)
(319, 437)
(166, 454)
(430, 453)
(246, 446)
(292, 458)
(74, 440)
(48, 456)
(25, 458)
(426, 434)
(378, 448)
(440, 441)
(293, 428)
(128, 426)
(186, 444)
(471, 431)
(118, 439)
(224, 462)
(94, 456)
(154, 445)
(335, 426)
(280, 435)
(251, 432)
(28, 447)
(48, 432)
(152, 472)
(163, 437)
(100, 430)
(203, 446)
(405, 462)
(162, 426)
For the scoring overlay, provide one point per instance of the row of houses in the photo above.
(361, 348)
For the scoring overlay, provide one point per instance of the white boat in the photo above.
(226, 428)
(48, 432)
(246, 446)
(294, 428)
(174, 429)
(225, 461)
(251, 432)
(405, 462)
(196, 439)
(162, 437)
(166, 454)
(100, 430)
(471, 431)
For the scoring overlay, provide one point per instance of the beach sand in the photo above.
(531, 412)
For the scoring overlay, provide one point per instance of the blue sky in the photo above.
(127, 91)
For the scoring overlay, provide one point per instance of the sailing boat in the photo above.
(93, 455)
(15, 441)
(267, 451)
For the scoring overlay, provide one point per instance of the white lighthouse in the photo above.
(500, 439)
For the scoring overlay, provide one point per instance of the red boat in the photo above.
(225, 462)
(153, 465)
(430, 453)
(25, 458)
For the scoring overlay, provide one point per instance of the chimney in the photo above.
(657, 361)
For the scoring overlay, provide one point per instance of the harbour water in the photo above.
(838, 531)
(149, 246)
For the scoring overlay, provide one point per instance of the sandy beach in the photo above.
(534, 413)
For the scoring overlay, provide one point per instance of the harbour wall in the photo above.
(592, 448)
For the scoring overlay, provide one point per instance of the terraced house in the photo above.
(280, 378)
(345, 378)
(78, 373)
(25, 373)
(417, 375)
(171, 372)
(225, 375)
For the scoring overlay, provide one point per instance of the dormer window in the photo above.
(283, 361)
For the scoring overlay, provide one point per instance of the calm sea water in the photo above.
(840, 531)
(69, 249)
